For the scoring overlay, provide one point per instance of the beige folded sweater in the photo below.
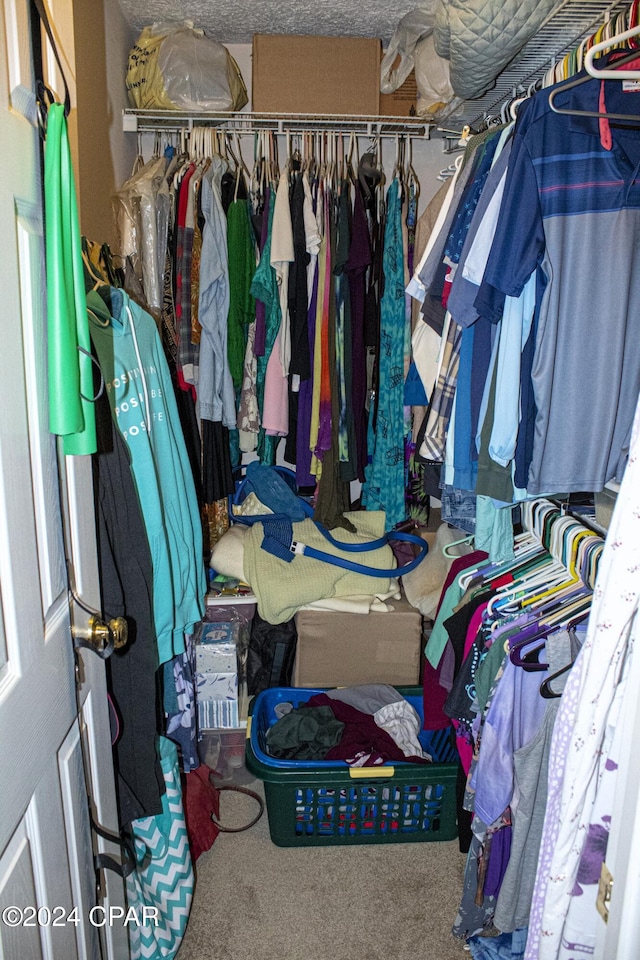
(281, 588)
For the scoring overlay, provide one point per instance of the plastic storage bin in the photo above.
(224, 751)
(327, 802)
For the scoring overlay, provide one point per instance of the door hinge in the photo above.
(605, 887)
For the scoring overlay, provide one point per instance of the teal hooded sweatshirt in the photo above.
(143, 404)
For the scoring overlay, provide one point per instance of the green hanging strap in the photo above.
(70, 364)
(71, 412)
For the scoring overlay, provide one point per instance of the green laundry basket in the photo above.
(322, 803)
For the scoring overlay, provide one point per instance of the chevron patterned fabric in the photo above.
(163, 879)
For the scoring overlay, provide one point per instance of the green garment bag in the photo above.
(70, 368)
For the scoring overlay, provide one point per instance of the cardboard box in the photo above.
(332, 76)
(403, 102)
(340, 649)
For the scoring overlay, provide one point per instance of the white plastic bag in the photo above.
(432, 78)
(413, 27)
(176, 67)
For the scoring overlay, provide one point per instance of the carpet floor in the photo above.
(256, 901)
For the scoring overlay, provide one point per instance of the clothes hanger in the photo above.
(353, 148)
(525, 545)
(540, 569)
(311, 157)
(332, 168)
(534, 633)
(447, 172)
(412, 177)
(562, 528)
(243, 165)
(342, 174)
(505, 109)
(545, 686)
(566, 536)
(635, 118)
(397, 166)
(540, 565)
(255, 190)
(455, 543)
(599, 47)
(274, 167)
(93, 279)
(528, 559)
(568, 615)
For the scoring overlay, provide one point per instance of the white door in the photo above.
(54, 734)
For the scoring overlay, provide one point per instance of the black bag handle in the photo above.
(249, 793)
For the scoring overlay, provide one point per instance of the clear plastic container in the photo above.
(224, 752)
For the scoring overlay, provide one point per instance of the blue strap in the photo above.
(303, 550)
(277, 536)
(275, 487)
(353, 547)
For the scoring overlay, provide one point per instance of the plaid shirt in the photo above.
(188, 353)
(441, 405)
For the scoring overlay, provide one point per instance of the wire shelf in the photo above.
(563, 31)
(144, 121)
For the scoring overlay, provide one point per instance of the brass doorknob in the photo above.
(97, 633)
(120, 631)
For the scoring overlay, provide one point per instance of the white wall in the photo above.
(102, 40)
(119, 40)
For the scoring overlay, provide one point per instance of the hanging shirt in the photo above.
(343, 336)
(385, 485)
(567, 189)
(317, 347)
(327, 305)
(264, 288)
(475, 252)
(187, 352)
(143, 405)
(356, 267)
(242, 266)
(282, 254)
(215, 387)
(275, 412)
(298, 286)
(313, 240)
(69, 362)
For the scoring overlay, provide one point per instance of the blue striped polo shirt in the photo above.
(571, 206)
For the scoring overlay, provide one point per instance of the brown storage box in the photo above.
(340, 649)
(326, 75)
(403, 102)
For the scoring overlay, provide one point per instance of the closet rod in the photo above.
(145, 121)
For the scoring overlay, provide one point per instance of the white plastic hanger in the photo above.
(602, 74)
(605, 74)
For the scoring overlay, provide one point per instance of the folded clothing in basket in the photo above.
(378, 725)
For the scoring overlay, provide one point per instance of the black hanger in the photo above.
(530, 662)
(44, 95)
(635, 118)
(518, 659)
(545, 686)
